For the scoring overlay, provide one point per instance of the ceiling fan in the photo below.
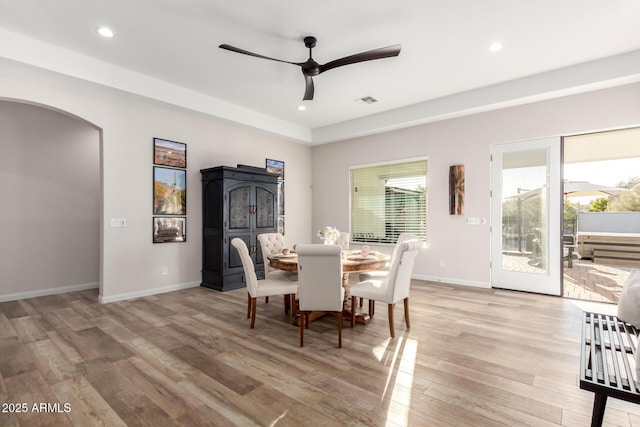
(311, 68)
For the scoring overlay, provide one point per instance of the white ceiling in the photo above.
(168, 50)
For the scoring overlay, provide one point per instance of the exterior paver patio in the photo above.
(585, 281)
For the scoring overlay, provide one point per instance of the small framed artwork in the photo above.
(169, 229)
(456, 190)
(169, 191)
(276, 166)
(169, 153)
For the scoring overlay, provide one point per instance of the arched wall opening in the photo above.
(51, 175)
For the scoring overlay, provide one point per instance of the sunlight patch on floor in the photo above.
(596, 307)
(400, 381)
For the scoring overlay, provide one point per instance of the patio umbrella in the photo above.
(587, 189)
(576, 189)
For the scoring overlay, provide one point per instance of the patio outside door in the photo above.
(525, 216)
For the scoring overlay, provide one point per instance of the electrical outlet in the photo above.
(115, 222)
(165, 270)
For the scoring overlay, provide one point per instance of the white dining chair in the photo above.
(265, 287)
(393, 288)
(272, 244)
(381, 274)
(320, 284)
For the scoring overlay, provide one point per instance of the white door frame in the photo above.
(547, 279)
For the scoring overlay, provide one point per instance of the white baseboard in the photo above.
(445, 280)
(50, 291)
(130, 295)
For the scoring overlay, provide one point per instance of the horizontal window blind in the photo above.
(388, 200)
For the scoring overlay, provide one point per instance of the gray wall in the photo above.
(130, 264)
(458, 252)
(50, 209)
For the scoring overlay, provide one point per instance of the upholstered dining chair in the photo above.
(319, 284)
(393, 288)
(273, 244)
(381, 274)
(265, 287)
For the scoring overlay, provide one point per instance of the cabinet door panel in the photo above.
(234, 261)
(211, 206)
(265, 208)
(239, 203)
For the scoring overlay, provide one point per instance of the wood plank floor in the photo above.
(473, 357)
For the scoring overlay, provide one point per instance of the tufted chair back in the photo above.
(271, 244)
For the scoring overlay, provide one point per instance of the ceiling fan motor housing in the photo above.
(310, 68)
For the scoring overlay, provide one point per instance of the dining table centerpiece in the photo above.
(330, 235)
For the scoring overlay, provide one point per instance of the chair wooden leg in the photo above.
(304, 318)
(353, 311)
(266, 300)
(361, 301)
(294, 306)
(254, 303)
(372, 307)
(391, 327)
(248, 305)
(287, 302)
(406, 313)
(340, 329)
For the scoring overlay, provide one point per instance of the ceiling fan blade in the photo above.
(246, 52)
(383, 52)
(309, 89)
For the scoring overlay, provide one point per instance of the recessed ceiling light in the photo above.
(302, 107)
(495, 47)
(105, 32)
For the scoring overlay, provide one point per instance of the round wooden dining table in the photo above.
(352, 262)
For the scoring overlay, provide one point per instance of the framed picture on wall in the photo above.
(276, 166)
(169, 229)
(169, 191)
(169, 153)
(456, 190)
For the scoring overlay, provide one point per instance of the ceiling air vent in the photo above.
(366, 100)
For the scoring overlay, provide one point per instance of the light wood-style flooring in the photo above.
(473, 357)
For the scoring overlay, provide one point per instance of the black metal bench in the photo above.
(607, 361)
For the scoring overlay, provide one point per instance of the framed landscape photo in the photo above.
(169, 229)
(169, 153)
(276, 166)
(169, 191)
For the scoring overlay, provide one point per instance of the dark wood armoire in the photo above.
(236, 202)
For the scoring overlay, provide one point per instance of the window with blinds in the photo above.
(388, 200)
